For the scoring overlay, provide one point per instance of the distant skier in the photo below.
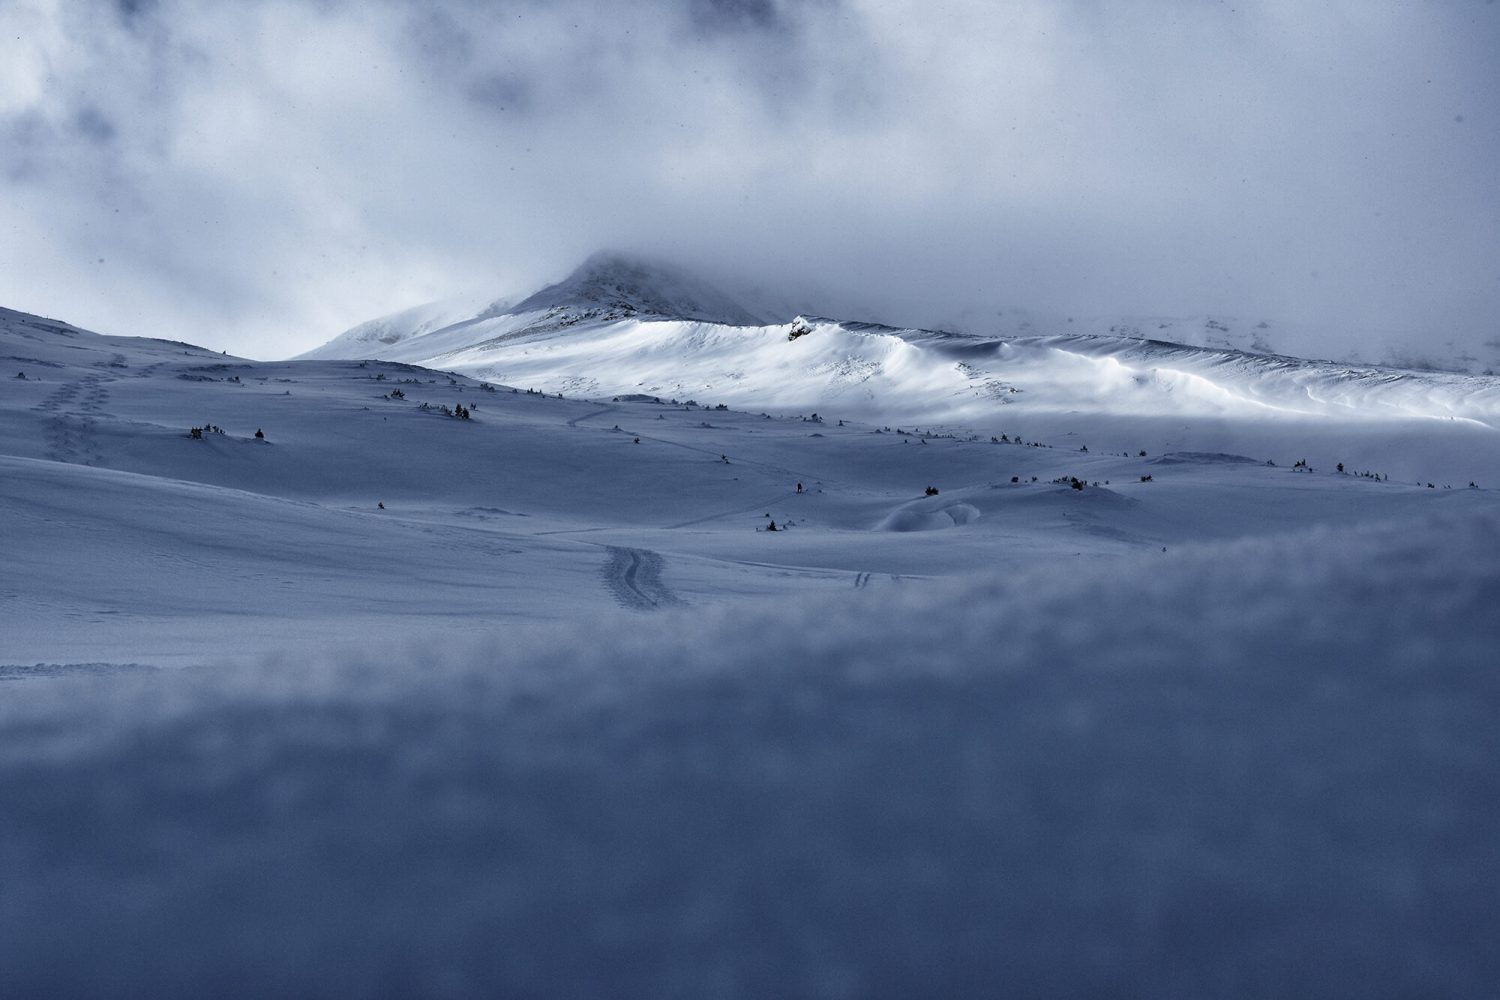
(799, 487)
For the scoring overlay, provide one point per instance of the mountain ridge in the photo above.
(612, 285)
(619, 327)
(621, 285)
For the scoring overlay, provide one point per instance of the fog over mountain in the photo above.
(257, 177)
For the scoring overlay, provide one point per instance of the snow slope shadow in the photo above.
(633, 576)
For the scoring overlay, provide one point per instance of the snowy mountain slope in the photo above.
(538, 507)
(44, 343)
(607, 286)
(374, 336)
(612, 285)
(1116, 393)
(533, 702)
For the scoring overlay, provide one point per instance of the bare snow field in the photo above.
(391, 701)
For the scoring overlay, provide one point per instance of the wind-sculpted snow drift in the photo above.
(1247, 770)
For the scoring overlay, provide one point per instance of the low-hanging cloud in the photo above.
(259, 176)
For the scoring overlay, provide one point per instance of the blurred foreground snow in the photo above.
(1265, 768)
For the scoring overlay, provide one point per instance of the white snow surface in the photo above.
(1220, 388)
(374, 336)
(561, 718)
(607, 286)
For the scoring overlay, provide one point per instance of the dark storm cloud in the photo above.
(735, 15)
(93, 125)
(258, 176)
(130, 10)
(501, 91)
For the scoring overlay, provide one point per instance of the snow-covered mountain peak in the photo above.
(610, 284)
(607, 287)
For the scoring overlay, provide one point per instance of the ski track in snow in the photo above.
(633, 576)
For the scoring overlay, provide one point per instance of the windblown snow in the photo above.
(1075, 665)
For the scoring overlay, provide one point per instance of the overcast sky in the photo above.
(257, 176)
